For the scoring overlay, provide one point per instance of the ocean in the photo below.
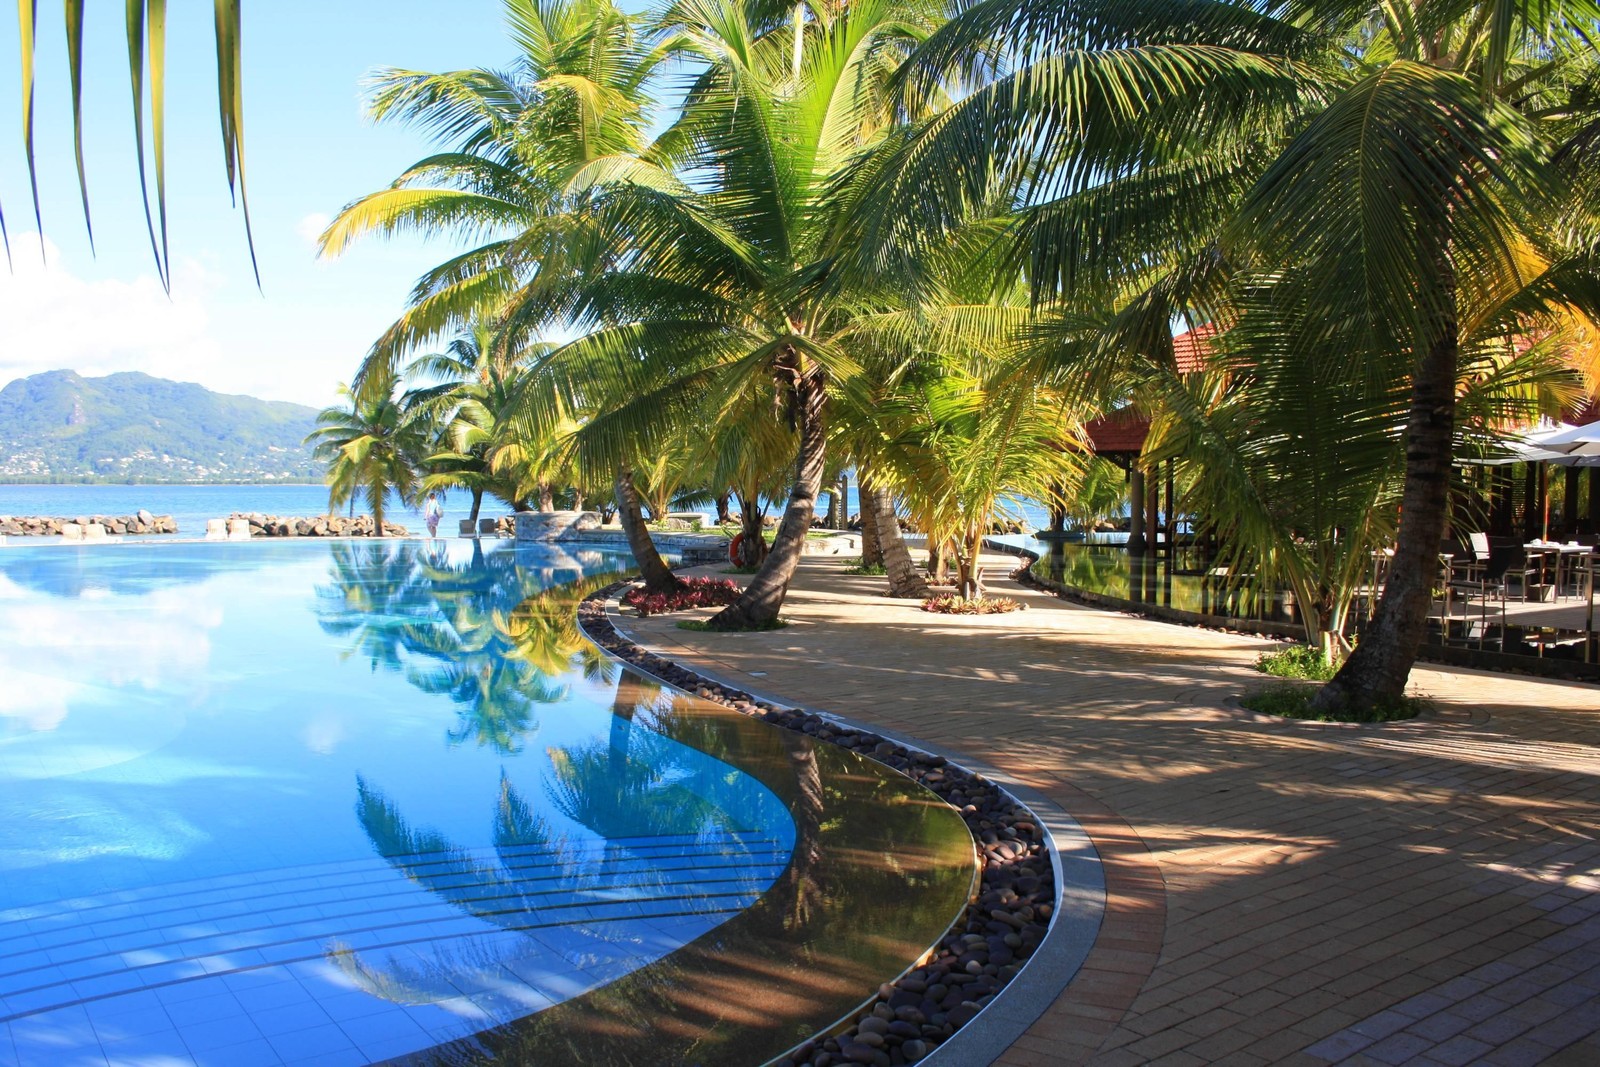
(192, 505)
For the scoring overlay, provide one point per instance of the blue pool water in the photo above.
(334, 803)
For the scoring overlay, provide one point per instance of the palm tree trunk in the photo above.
(375, 496)
(1376, 672)
(546, 498)
(871, 539)
(658, 577)
(763, 597)
(904, 578)
(477, 502)
(753, 542)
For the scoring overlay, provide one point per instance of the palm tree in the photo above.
(372, 448)
(468, 391)
(1383, 171)
(146, 25)
(967, 445)
(699, 286)
(1297, 466)
(520, 147)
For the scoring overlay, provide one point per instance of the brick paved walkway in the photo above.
(1419, 892)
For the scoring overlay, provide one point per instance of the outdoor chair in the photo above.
(1531, 571)
(1476, 560)
(1485, 581)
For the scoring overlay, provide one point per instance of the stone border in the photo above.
(926, 1014)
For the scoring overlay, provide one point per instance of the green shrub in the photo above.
(855, 566)
(1296, 661)
(1294, 702)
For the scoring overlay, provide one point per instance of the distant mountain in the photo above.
(62, 427)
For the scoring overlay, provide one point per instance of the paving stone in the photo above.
(1438, 870)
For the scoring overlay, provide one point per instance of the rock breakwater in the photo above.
(142, 522)
(313, 525)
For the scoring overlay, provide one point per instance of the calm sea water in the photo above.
(192, 505)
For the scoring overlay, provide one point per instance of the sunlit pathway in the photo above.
(1278, 892)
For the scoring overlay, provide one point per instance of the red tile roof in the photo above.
(1123, 430)
(1189, 349)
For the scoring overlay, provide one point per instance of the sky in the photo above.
(309, 151)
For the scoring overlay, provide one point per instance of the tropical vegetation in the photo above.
(733, 249)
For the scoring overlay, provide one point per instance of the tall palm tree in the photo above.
(699, 287)
(520, 146)
(1381, 170)
(372, 448)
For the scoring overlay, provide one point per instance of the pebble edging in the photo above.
(985, 949)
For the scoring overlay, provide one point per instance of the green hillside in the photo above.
(61, 427)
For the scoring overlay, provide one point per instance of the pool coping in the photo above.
(1078, 906)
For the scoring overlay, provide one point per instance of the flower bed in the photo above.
(693, 593)
(950, 604)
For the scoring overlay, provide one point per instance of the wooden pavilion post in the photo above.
(1594, 500)
(1544, 501)
(1530, 501)
(1569, 504)
(1171, 525)
(1135, 508)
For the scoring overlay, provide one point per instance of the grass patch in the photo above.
(1294, 702)
(1296, 661)
(741, 570)
(855, 566)
(703, 626)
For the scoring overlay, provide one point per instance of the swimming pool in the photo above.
(348, 802)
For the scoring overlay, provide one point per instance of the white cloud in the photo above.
(56, 320)
(310, 228)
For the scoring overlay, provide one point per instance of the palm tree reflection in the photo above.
(496, 633)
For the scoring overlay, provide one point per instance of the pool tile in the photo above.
(130, 1024)
(393, 1024)
(218, 1006)
(250, 1054)
(259, 998)
(306, 1045)
(218, 1033)
(289, 1018)
(354, 1005)
(162, 1047)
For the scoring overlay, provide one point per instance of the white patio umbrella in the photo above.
(1577, 441)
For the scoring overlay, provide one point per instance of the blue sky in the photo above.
(309, 151)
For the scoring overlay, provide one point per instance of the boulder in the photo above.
(555, 525)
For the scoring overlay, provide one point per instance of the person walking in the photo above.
(432, 512)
